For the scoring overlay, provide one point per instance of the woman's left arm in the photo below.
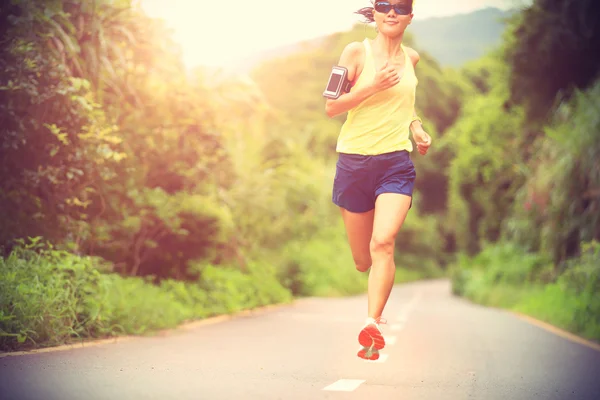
(422, 139)
(416, 124)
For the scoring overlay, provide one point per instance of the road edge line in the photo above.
(557, 331)
(185, 326)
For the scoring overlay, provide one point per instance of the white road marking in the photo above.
(382, 358)
(345, 385)
(396, 327)
(413, 302)
(391, 340)
(409, 307)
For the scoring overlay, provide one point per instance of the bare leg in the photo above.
(359, 228)
(390, 212)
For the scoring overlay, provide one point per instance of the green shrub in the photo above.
(420, 244)
(501, 263)
(573, 301)
(49, 297)
(231, 290)
(505, 276)
(321, 266)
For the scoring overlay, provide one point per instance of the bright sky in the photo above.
(217, 32)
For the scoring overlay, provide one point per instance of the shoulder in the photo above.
(352, 52)
(351, 58)
(413, 54)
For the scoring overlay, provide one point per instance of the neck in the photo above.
(389, 46)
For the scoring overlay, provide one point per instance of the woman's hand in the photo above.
(385, 78)
(422, 139)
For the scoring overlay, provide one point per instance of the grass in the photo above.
(51, 297)
(506, 276)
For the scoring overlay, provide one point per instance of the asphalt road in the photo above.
(439, 348)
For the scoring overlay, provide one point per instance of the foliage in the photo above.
(497, 264)
(420, 243)
(202, 162)
(509, 276)
(524, 179)
(171, 195)
(56, 142)
(518, 179)
(558, 206)
(485, 171)
(50, 297)
(552, 50)
(167, 194)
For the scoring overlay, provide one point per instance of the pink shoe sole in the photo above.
(370, 337)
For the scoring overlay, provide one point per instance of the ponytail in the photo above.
(367, 13)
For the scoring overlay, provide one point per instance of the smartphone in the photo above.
(338, 83)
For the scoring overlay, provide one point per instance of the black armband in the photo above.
(338, 83)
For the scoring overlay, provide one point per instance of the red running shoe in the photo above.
(371, 339)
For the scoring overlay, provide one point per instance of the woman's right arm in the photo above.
(350, 59)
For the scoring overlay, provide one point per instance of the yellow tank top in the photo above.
(380, 124)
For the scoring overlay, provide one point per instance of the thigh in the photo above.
(359, 228)
(353, 186)
(396, 174)
(391, 210)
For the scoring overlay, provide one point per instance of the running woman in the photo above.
(375, 175)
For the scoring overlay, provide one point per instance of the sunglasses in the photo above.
(385, 7)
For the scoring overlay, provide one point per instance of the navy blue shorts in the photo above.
(360, 179)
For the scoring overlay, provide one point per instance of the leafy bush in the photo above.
(570, 301)
(483, 172)
(49, 297)
(420, 243)
(557, 207)
(501, 263)
(321, 266)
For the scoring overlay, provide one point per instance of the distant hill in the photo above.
(249, 63)
(454, 40)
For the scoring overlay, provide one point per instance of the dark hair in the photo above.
(367, 12)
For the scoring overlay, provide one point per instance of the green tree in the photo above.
(56, 140)
(553, 50)
(486, 145)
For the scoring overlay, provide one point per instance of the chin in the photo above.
(390, 31)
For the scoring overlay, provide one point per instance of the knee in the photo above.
(362, 265)
(382, 245)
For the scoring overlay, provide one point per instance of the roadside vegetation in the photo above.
(525, 190)
(137, 195)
